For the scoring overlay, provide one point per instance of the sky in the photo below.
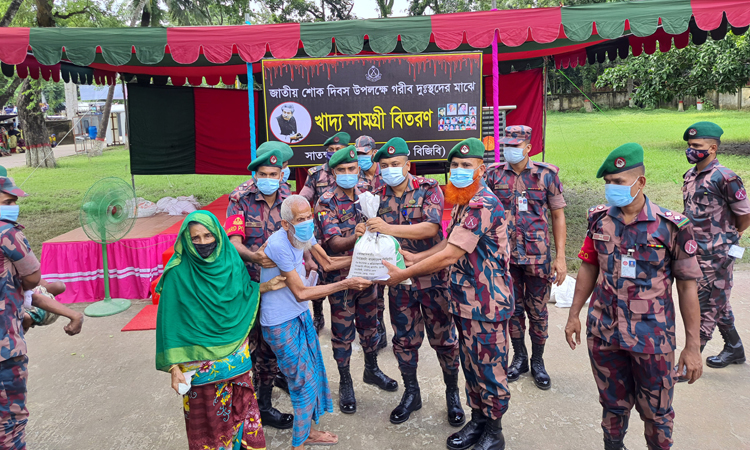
(368, 9)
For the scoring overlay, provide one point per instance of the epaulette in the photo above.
(476, 203)
(242, 190)
(326, 197)
(313, 170)
(727, 173)
(597, 209)
(549, 166)
(676, 218)
(427, 181)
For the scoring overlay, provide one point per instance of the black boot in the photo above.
(492, 438)
(456, 416)
(614, 445)
(347, 401)
(410, 401)
(270, 416)
(541, 379)
(733, 352)
(520, 362)
(280, 382)
(470, 433)
(319, 321)
(383, 342)
(373, 374)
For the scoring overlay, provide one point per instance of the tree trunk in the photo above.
(101, 135)
(44, 17)
(10, 91)
(10, 13)
(39, 152)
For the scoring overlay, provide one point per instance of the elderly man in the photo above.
(320, 179)
(481, 302)
(20, 275)
(338, 214)
(287, 324)
(411, 209)
(633, 252)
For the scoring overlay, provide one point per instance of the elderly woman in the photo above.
(288, 326)
(208, 306)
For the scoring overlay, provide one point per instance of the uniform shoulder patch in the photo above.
(313, 170)
(427, 181)
(549, 166)
(594, 210)
(476, 203)
(727, 173)
(676, 218)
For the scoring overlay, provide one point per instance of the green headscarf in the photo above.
(207, 306)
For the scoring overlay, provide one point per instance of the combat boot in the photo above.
(373, 374)
(347, 401)
(609, 444)
(319, 320)
(470, 433)
(541, 379)
(383, 338)
(733, 352)
(456, 416)
(492, 438)
(270, 416)
(411, 400)
(520, 362)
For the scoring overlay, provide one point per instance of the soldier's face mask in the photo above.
(393, 176)
(619, 195)
(694, 156)
(9, 212)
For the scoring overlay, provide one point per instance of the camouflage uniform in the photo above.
(425, 302)
(529, 242)
(319, 180)
(370, 184)
(631, 321)
(261, 221)
(713, 197)
(350, 310)
(481, 301)
(17, 261)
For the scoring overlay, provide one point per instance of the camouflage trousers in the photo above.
(531, 288)
(381, 302)
(412, 312)
(353, 312)
(483, 347)
(264, 360)
(624, 379)
(714, 289)
(13, 413)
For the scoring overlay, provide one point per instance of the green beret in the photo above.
(468, 148)
(625, 157)
(286, 150)
(341, 138)
(343, 156)
(272, 158)
(703, 130)
(394, 147)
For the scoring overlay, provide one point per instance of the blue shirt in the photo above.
(277, 307)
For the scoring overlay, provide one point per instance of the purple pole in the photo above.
(496, 96)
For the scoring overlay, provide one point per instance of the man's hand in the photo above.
(274, 284)
(690, 358)
(338, 263)
(378, 225)
(409, 258)
(359, 230)
(396, 275)
(573, 332)
(259, 257)
(74, 326)
(177, 378)
(357, 283)
(560, 269)
(310, 265)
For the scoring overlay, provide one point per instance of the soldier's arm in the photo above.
(585, 283)
(424, 230)
(560, 232)
(308, 191)
(687, 292)
(16, 248)
(742, 222)
(304, 293)
(736, 196)
(340, 244)
(448, 256)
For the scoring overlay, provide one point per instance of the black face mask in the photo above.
(205, 250)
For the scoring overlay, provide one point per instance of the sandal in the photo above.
(328, 439)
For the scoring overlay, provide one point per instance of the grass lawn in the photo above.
(576, 142)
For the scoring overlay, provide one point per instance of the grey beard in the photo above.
(304, 246)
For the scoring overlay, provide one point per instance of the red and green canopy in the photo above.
(191, 54)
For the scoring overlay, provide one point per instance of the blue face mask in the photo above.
(346, 181)
(9, 212)
(304, 231)
(618, 195)
(462, 178)
(365, 162)
(393, 176)
(285, 172)
(513, 155)
(267, 185)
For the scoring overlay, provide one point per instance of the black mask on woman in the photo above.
(205, 250)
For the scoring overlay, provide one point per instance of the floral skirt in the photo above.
(224, 416)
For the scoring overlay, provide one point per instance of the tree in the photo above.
(385, 7)
(10, 13)
(39, 151)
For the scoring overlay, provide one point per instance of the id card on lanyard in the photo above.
(627, 265)
(523, 203)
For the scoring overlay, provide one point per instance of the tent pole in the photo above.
(544, 112)
(251, 102)
(496, 95)
(127, 122)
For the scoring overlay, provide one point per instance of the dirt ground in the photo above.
(99, 390)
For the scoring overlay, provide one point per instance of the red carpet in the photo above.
(218, 207)
(144, 320)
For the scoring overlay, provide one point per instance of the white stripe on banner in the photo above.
(99, 274)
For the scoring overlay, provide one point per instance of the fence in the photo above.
(619, 99)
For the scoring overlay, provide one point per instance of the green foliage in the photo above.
(692, 71)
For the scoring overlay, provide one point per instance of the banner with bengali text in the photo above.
(432, 101)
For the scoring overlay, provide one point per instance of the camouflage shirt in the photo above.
(18, 261)
(712, 198)
(249, 186)
(337, 216)
(528, 231)
(370, 184)
(480, 279)
(319, 179)
(261, 221)
(421, 202)
(638, 313)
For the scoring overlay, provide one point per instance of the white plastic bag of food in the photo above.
(372, 248)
